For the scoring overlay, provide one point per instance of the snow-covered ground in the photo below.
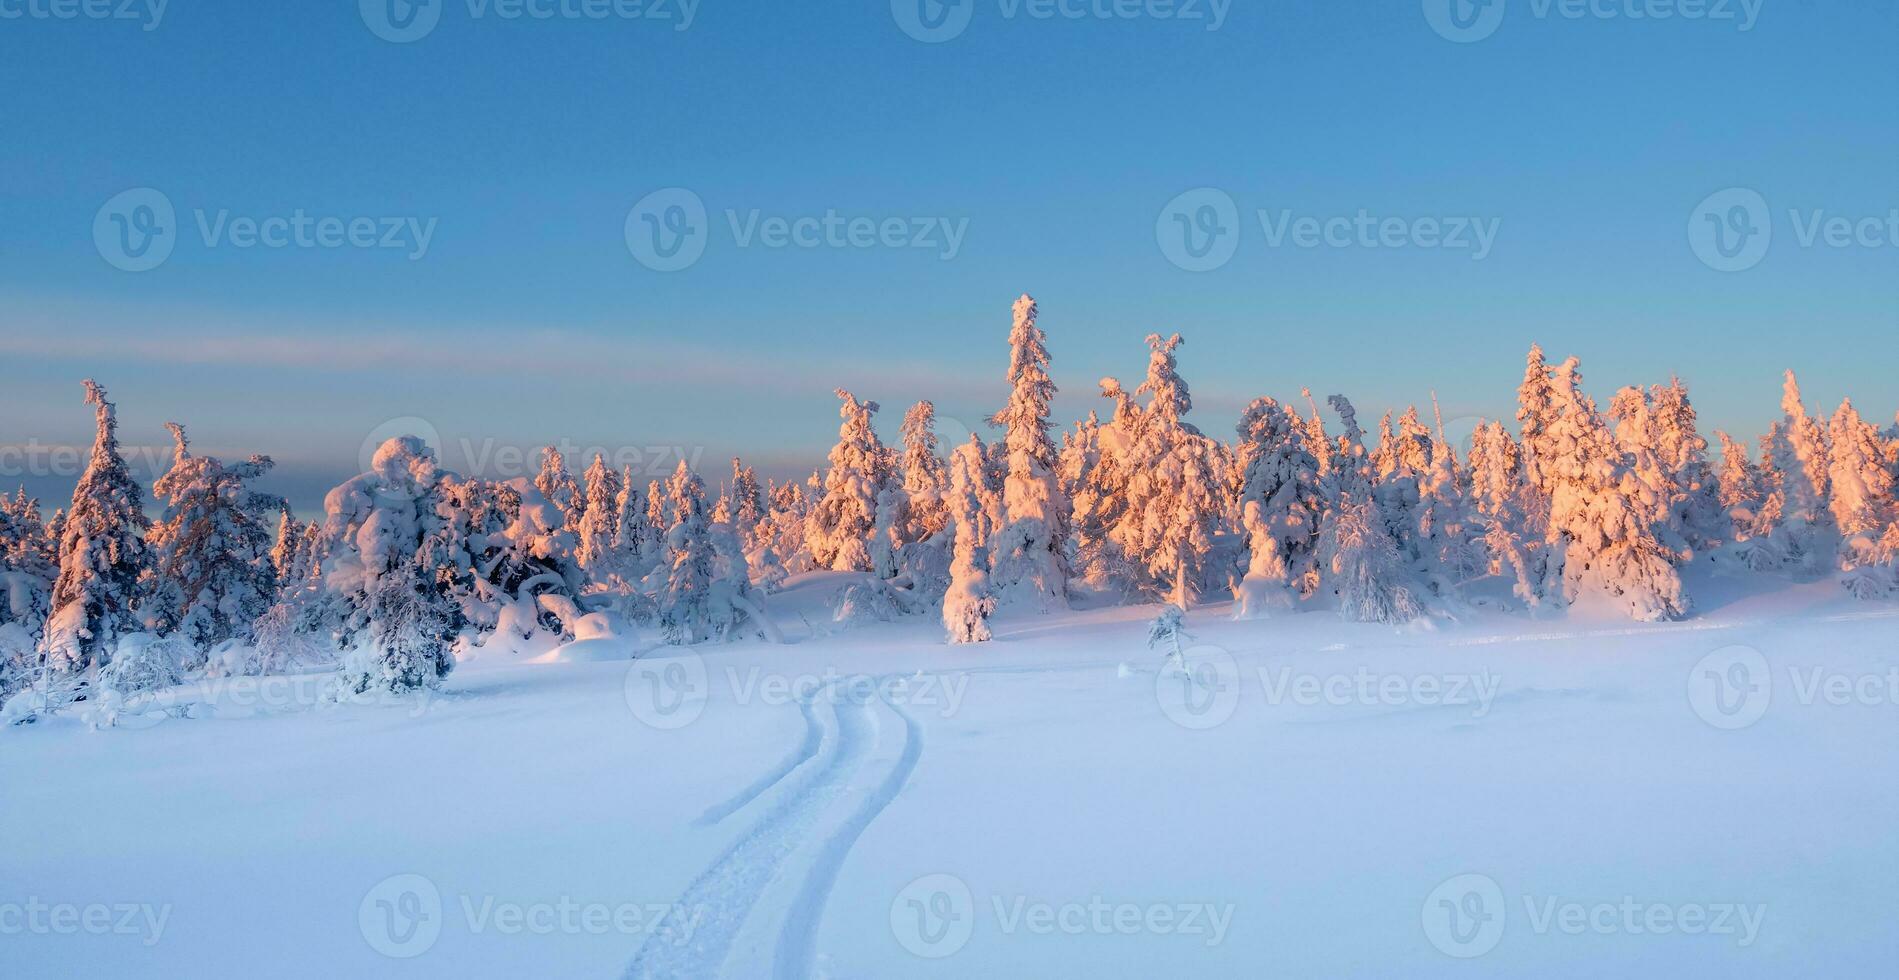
(1496, 797)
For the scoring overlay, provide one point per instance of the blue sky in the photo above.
(1055, 143)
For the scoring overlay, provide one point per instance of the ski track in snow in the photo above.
(745, 924)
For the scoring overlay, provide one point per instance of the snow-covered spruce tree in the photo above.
(1447, 537)
(1499, 497)
(632, 537)
(557, 485)
(685, 612)
(283, 546)
(886, 536)
(968, 602)
(374, 527)
(1683, 454)
(1803, 540)
(658, 521)
(1316, 441)
(1600, 535)
(1101, 502)
(1280, 505)
(212, 547)
(1536, 413)
(1657, 500)
(599, 517)
(1166, 631)
(925, 475)
(102, 554)
(1173, 486)
(1363, 566)
(1739, 491)
(1861, 485)
(838, 531)
(1030, 553)
(407, 637)
(29, 565)
(748, 503)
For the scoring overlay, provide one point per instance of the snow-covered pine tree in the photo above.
(374, 526)
(1281, 504)
(283, 547)
(557, 485)
(212, 546)
(1173, 486)
(1499, 497)
(838, 531)
(1363, 565)
(1683, 454)
(886, 536)
(29, 565)
(598, 520)
(1166, 631)
(102, 554)
(658, 521)
(1803, 540)
(408, 633)
(925, 475)
(1600, 534)
(632, 536)
(1861, 486)
(1316, 441)
(1657, 500)
(1101, 503)
(1536, 413)
(685, 612)
(1739, 490)
(748, 503)
(1030, 554)
(972, 512)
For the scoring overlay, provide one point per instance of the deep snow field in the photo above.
(1496, 797)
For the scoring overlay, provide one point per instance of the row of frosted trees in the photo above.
(410, 561)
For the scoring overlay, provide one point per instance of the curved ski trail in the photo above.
(756, 909)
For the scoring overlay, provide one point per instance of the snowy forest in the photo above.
(1295, 512)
